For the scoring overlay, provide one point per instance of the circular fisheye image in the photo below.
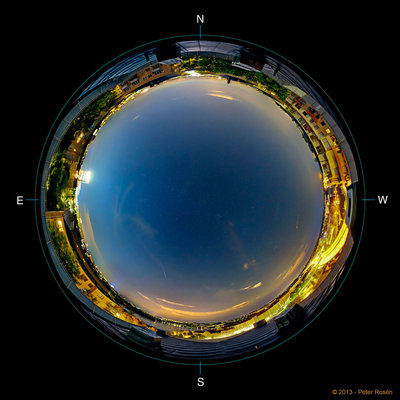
(198, 200)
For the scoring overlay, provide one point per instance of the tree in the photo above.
(57, 181)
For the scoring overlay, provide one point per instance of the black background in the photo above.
(51, 50)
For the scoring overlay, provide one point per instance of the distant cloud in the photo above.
(119, 200)
(295, 265)
(201, 314)
(238, 305)
(251, 286)
(176, 304)
(222, 96)
(143, 225)
(147, 298)
(233, 240)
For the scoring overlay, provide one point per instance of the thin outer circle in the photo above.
(348, 268)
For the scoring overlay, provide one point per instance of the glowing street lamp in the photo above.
(84, 176)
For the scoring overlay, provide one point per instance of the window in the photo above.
(326, 143)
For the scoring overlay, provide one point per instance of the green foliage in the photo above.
(89, 116)
(63, 250)
(219, 65)
(57, 181)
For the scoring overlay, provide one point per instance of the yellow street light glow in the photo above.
(79, 138)
(60, 225)
(85, 176)
(192, 73)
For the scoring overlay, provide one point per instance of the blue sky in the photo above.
(205, 201)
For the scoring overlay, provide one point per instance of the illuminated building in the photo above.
(145, 75)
